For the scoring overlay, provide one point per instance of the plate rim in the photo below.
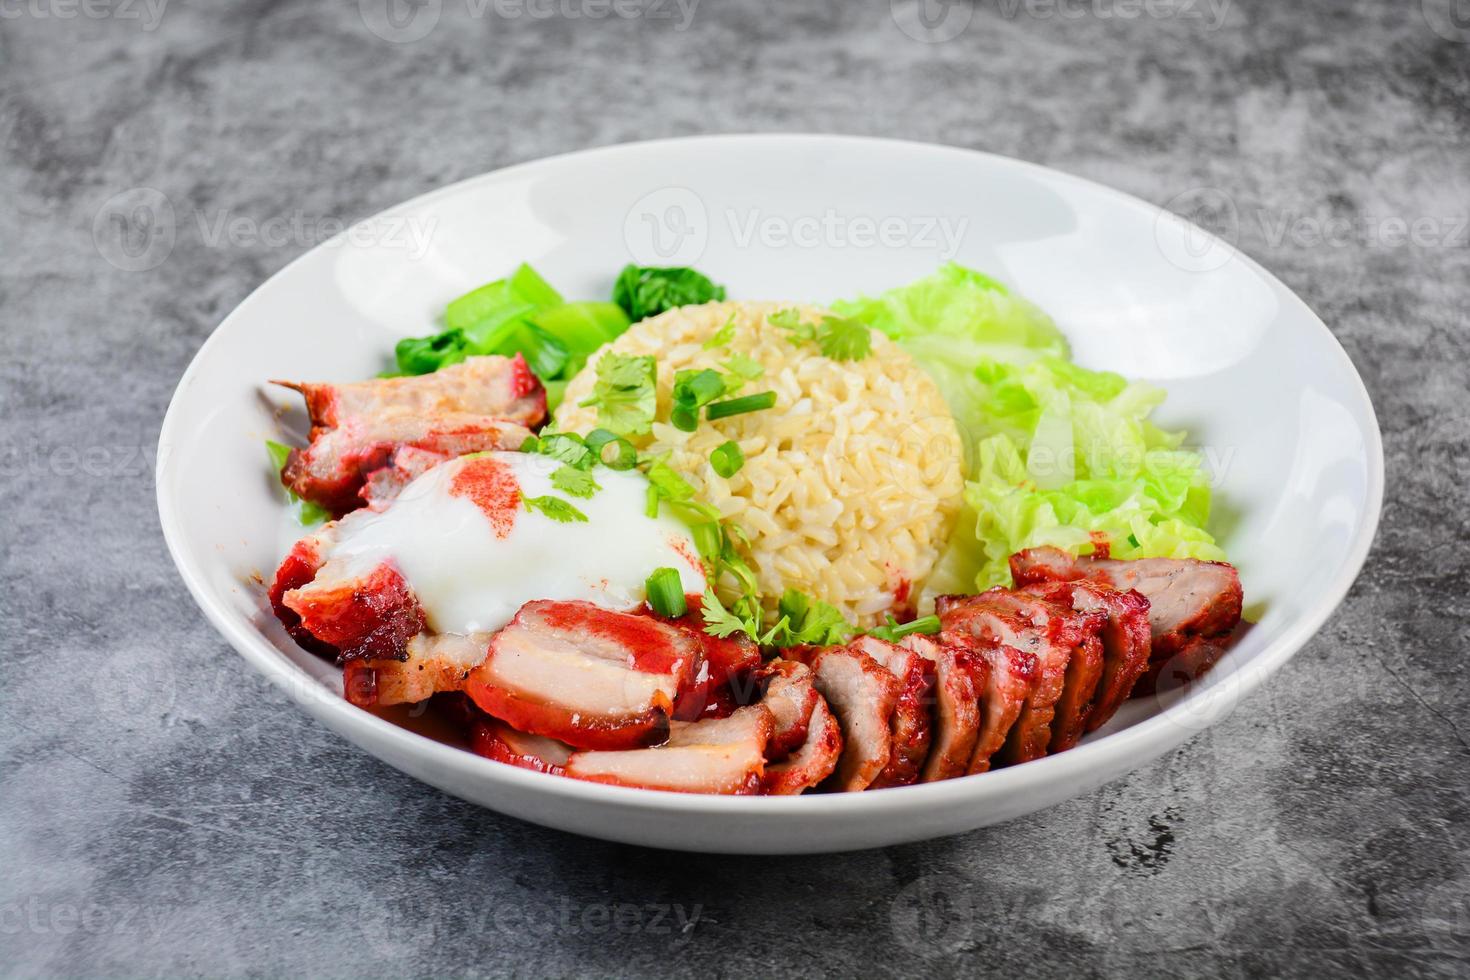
(1148, 737)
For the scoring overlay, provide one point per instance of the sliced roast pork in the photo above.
(587, 676)
(791, 697)
(481, 404)
(1125, 644)
(1193, 605)
(960, 680)
(910, 725)
(862, 694)
(434, 663)
(496, 740)
(354, 609)
(813, 761)
(716, 755)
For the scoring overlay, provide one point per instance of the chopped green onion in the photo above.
(698, 388)
(625, 458)
(683, 417)
(739, 406)
(727, 459)
(666, 593)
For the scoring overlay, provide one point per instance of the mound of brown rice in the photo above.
(851, 482)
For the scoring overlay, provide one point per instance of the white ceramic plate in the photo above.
(1252, 373)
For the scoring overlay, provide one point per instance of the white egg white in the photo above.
(469, 578)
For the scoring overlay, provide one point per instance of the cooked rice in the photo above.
(851, 483)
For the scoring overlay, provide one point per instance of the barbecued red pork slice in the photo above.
(1125, 641)
(298, 568)
(723, 664)
(1049, 631)
(959, 686)
(716, 755)
(497, 740)
(1012, 675)
(593, 678)
(862, 693)
(791, 697)
(812, 762)
(910, 724)
(360, 611)
(480, 404)
(436, 662)
(1193, 605)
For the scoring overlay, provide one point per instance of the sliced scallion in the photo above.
(666, 593)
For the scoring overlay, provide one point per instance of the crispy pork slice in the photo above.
(911, 723)
(959, 685)
(1193, 605)
(716, 755)
(435, 663)
(297, 569)
(812, 762)
(1048, 631)
(1125, 641)
(862, 694)
(792, 698)
(359, 611)
(1011, 677)
(496, 740)
(585, 675)
(480, 404)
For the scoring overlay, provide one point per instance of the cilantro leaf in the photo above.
(722, 336)
(788, 319)
(574, 482)
(741, 369)
(555, 508)
(625, 394)
(809, 621)
(719, 621)
(895, 631)
(843, 339)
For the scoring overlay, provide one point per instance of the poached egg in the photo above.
(473, 551)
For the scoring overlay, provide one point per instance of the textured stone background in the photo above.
(209, 828)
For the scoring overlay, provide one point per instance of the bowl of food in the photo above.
(770, 494)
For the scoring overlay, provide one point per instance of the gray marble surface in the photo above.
(205, 826)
